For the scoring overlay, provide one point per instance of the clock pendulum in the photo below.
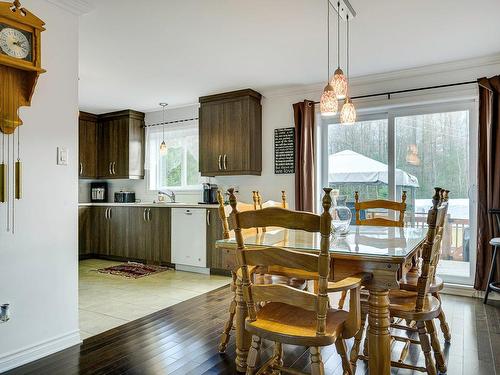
(20, 67)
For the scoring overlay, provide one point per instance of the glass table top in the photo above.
(361, 240)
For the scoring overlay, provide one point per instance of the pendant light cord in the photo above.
(338, 34)
(328, 36)
(347, 68)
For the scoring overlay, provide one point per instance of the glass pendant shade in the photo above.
(328, 104)
(412, 157)
(339, 84)
(163, 148)
(348, 113)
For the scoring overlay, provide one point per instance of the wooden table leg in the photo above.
(243, 338)
(379, 338)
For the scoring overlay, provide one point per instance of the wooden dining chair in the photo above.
(257, 198)
(378, 221)
(383, 204)
(292, 316)
(410, 282)
(419, 305)
(270, 276)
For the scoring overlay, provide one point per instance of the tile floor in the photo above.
(107, 301)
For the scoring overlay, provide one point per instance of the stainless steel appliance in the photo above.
(125, 197)
(210, 193)
(99, 192)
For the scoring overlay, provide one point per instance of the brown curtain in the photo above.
(304, 155)
(488, 175)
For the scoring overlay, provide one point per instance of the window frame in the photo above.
(391, 114)
(184, 187)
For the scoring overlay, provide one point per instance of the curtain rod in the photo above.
(389, 93)
(171, 122)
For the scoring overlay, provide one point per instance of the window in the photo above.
(177, 169)
(410, 149)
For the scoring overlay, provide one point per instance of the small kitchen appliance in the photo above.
(99, 192)
(210, 193)
(125, 197)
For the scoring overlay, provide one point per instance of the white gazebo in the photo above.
(349, 167)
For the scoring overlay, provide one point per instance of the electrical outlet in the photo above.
(62, 156)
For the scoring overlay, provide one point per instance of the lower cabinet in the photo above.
(133, 233)
(84, 231)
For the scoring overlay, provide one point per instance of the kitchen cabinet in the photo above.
(84, 232)
(100, 230)
(120, 146)
(87, 144)
(214, 233)
(149, 234)
(230, 134)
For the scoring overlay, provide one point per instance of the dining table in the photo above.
(388, 253)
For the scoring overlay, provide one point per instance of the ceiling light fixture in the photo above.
(163, 145)
(328, 104)
(339, 81)
(348, 112)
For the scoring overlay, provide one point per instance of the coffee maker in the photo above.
(210, 193)
(99, 192)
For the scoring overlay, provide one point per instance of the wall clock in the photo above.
(20, 66)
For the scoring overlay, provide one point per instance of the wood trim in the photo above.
(280, 217)
(230, 95)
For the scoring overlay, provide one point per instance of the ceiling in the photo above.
(136, 54)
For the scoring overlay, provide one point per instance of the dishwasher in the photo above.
(189, 239)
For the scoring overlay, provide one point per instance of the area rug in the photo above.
(133, 270)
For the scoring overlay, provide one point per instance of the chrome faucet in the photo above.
(170, 195)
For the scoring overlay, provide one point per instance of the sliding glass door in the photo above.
(411, 150)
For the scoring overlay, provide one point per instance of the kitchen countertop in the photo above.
(148, 204)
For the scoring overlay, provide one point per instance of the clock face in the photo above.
(16, 43)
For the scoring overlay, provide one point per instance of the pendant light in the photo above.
(328, 104)
(339, 81)
(348, 112)
(163, 145)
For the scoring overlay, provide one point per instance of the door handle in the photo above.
(225, 161)
(150, 216)
(208, 217)
(114, 167)
(219, 162)
(106, 213)
(144, 215)
(81, 169)
(109, 214)
(109, 168)
(188, 212)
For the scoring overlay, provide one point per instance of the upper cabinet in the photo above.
(88, 145)
(231, 134)
(120, 149)
(115, 149)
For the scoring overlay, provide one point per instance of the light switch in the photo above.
(62, 156)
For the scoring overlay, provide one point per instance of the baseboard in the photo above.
(467, 291)
(32, 353)
(183, 267)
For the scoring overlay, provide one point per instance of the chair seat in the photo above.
(495, 241)
(293, 325)
(410, 281)
(402, 305)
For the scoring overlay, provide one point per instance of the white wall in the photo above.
(38, 265)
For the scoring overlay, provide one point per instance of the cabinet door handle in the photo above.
(225, 161)
(208, 217)
(144, 215)
(106, 214)
(150, 216)
(114, 167)
(109, 168)
(109, 215)
(220, 162)
(81, 169)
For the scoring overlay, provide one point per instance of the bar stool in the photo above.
(495, 242)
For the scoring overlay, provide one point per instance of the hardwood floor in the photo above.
(182, 339)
